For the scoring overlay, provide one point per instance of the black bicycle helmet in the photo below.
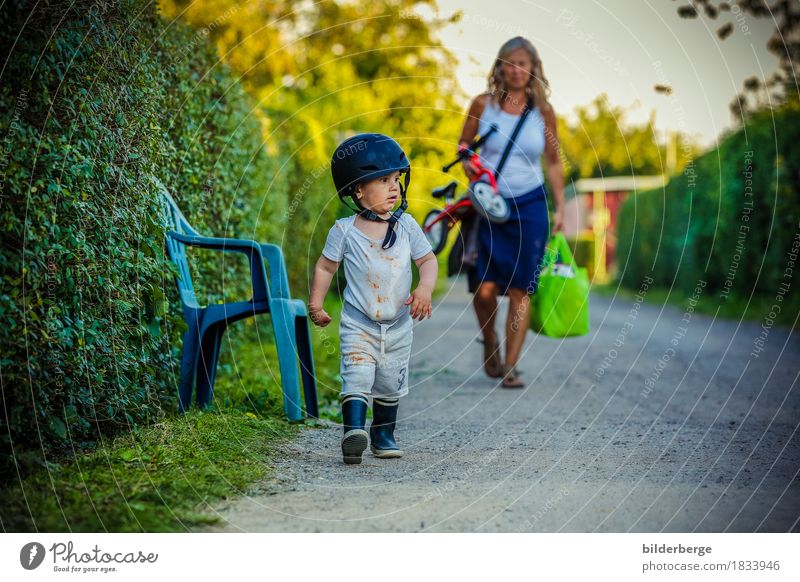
(365, 157)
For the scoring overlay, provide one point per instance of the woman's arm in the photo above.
(555, 171)
(470, 130)
(324, 271)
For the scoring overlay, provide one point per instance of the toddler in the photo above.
(377, 246)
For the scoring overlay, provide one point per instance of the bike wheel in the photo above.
(437, 234)
(488, 203)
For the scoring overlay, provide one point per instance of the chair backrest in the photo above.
(174, 220)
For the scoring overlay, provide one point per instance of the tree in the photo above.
(779, 88)
(603, 143)
(323, 70)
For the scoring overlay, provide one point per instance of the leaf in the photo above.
(70, 413)
(154, 328)
(129, 455)
(57, 427)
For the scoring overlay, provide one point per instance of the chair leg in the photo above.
(189, 357)
(207, 365)
(287, 361)
(303, 337)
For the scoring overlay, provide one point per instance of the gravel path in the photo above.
(639, 426)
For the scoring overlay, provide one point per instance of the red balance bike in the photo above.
(481, 196)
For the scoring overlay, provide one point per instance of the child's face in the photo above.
(381, 194)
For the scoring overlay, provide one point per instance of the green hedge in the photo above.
(95, 99)
(705, 225)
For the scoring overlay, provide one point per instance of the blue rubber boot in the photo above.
(381, 433)
(354, 416)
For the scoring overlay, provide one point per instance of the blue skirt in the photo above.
(510, 253)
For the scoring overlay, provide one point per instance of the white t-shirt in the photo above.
(378, 280)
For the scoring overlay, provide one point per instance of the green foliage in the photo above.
(248, 376)
(704, 225)
(106, 98)
(602, 142)
(754, 308)
(322, 71)
(160, 479)
(760, 92)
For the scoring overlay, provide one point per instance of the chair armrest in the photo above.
(214, 243)
(278, 279)
(250, 248)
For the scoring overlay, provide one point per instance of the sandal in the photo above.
(491, 359)
(511, 378)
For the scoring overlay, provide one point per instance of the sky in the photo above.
(622, 48)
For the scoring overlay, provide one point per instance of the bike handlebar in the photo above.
(468, 152)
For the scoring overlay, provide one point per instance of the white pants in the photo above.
(375, 354)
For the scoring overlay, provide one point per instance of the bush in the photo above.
(705, 224)
(96, 99)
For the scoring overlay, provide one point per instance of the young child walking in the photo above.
(377, 246)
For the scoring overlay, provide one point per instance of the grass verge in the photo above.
(167, 477)
(754, 309)
(162, 478)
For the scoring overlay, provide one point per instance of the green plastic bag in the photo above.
(560, 306)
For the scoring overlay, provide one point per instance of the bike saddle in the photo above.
(445, 191)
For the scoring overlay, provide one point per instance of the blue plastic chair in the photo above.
(206, 325)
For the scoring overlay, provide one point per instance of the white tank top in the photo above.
(523, 169)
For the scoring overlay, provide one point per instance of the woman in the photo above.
(509, 254)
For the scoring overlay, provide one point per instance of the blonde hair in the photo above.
(538, 88)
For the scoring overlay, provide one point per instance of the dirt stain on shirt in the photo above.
(372, 282)
(355, 358)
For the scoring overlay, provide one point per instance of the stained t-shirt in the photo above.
(378, 280)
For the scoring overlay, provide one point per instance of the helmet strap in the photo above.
(391, 236)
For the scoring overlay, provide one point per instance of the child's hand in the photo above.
(319, 316)
(420, 301)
